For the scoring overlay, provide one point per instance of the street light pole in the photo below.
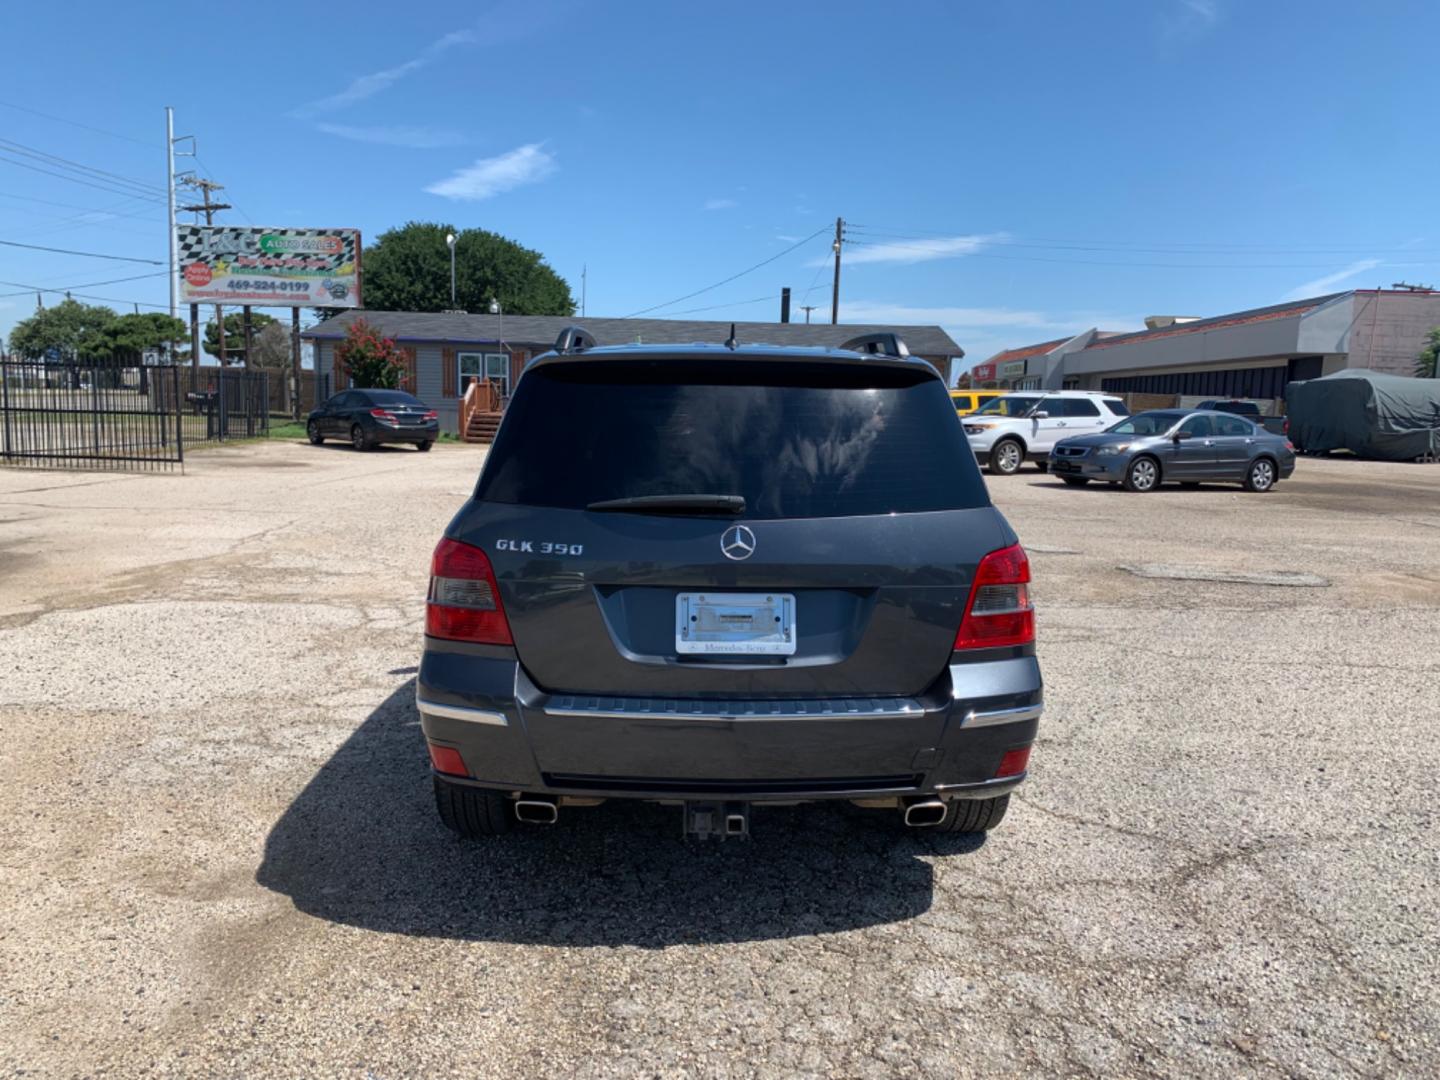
(450, 243)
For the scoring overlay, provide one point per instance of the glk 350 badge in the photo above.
(539, 547)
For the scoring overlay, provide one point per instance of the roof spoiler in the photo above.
(887, 344)
(574, 339)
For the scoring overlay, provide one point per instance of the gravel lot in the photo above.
(218, 855)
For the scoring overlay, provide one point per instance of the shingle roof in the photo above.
(543, 329)
(1217, 322)
(1025, 351)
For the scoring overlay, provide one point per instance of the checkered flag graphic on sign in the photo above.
(192, 247)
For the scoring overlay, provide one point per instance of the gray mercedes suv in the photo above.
(720, 576)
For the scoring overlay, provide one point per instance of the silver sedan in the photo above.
(1185, 446)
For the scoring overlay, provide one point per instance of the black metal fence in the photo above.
(108, 416)
(89, 416)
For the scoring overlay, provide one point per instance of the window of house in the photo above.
(474, 365)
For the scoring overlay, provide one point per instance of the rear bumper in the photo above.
(384, 433)
(514, 737)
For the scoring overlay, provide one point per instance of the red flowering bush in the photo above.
(371, 360)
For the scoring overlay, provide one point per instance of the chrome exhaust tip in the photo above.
(929, 812)
(537, 811)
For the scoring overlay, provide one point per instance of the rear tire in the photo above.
(312, 432)
(422, 446)
(1006, 457)
(1075, 481)
(358, 439)
(974, 815)
(1261, 475)
(472, 812)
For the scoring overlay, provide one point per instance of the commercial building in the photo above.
(1252, 354)
(446, 352)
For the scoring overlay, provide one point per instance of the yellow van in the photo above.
(967, 401)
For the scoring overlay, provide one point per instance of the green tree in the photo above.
(128, 336)
(372, 360)
(1426, 361)
(408, 269)
(234, 335)
(67, 331)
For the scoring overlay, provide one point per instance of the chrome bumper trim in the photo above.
(681, 709)
(460, 712)
(1002, 716)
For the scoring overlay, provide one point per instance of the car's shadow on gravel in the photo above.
(361, 845)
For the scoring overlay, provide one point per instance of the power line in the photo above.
(209, 174)
(114, 190)
(26, 288)
(86, 254)
(717, 307)
(76, 123)
(732, 277)
(55, 159)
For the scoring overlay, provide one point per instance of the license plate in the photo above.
(1066, 466)
(735, 624)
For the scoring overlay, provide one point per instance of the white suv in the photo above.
(1006, 430)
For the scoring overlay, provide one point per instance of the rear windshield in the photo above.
(795, 439)
(391, 397)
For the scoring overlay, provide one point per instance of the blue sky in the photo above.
(1014, 172)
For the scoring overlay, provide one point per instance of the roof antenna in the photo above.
(730, 342)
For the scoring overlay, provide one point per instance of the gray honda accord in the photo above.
(1185, 446)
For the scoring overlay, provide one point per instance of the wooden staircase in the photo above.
(480, 411)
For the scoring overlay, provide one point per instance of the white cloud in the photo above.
(527, 164)
(364, 86)
(785, 238)
(1325, 284)
(1190, 17)
(913, 251)
(866, 311)
(419, 138)
(720, 204)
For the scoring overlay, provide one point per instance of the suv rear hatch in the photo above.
(864, 519)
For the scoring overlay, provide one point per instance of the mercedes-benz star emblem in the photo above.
(737, 542)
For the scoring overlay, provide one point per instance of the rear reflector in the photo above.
(464, 601)
(1012, 764)
(447, 760)
(999, 612)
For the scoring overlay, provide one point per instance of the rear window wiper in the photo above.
(673, 504)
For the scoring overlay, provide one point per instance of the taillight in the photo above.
(1013, 763)
(464, 601)
(384, 415)
(999, 612)
(447, 760)
(431, 415)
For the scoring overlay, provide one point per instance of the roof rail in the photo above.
(887, 344)
(574, 339)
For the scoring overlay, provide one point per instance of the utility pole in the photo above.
(209, 209)
(584, 271)
(835, 289)
(170, 217)
(807, 308)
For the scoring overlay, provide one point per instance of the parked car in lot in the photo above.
(1185, 446)
(1009, 430)
(1276, 425)
(967, 401)
(733, 575)
(369, 418)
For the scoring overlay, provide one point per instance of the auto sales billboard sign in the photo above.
(983, 372)
(223, 264)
